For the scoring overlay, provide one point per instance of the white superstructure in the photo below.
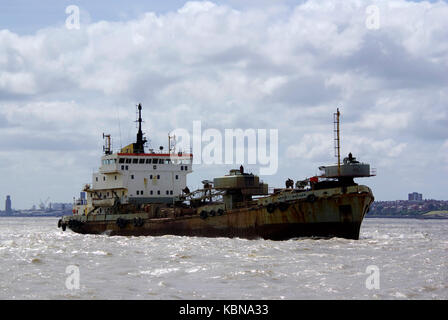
(132, 176)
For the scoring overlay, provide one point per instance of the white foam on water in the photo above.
(411, 256)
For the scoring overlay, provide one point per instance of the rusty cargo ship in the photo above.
(139, 193)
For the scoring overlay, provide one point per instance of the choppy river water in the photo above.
(408, 259)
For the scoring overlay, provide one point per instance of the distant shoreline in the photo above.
(407, 217)
(27, 216)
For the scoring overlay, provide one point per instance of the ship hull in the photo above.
(328, 213)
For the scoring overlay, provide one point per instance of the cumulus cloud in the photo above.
(312, 146)
(285, 67)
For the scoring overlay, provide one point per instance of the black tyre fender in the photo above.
(212, 213)
(283, 206)
(121, 222)
(64, 227)
(203, 214)
(75, 224)
(141, 222)
(59, 223)
(311, 198)
(220, 212)
(270, 208)
(157, 212)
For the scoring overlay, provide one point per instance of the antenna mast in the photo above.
(171, 143)
(107, 148)
(337, 141)
(140, 143)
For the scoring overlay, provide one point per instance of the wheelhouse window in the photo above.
(148, 161)
(135, 160)
(128, 160)
(121, 160)
(142, 161)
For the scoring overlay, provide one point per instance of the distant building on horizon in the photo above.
(414, 196)
(62, 206)
(8, 207)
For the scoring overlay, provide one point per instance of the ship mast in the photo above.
(107, 148)
(337, 141)
(140, 144)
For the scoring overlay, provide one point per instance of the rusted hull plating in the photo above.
(335, 216)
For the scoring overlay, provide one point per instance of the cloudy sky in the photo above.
(270, 64)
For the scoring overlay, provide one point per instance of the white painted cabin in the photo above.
(136, 178)
(132, 176)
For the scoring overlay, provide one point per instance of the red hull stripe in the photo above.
(156, 155)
